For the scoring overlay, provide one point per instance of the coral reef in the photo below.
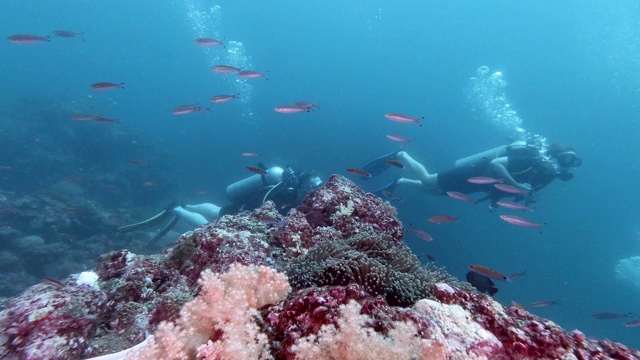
(331, 280)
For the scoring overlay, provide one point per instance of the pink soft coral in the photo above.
(220, 322)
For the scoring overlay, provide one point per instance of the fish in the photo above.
(201, 192)
(269, 220)
(390, 195)
(188, 109)
(439, 219)
(25, 39)
(611, 315)
(395, 163)
(224, 69)
(138, 162)
(4, 167)
(488, 272)
(54, 282)
(250, 74)
(422, 234)
(632, 323)
(83, 117)
(401, 118)
(398, 138)
(518, 221)
(305, 104)
(249, 154)
(256, 170)
(223, 98)
(544, 303)
(514, 206)
(149, 184)
(508, 188)
(208, 42)
(483, 283)
(67, 34)
(460, 196)
(518, 305)
(359, 172)
(483, 180)
(107, 86)
(290, 109)
(516, 276)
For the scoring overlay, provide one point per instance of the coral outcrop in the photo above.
(331, 280)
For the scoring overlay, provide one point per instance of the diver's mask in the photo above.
(313, 182)
(568, 159)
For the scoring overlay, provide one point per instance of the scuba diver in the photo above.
(526, 165)
(283, 186)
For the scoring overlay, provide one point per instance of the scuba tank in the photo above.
(245, 188)
(491, 154)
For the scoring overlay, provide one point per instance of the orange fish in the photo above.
(359, 172)
(256, 170)
(394, 163)
(488, 272)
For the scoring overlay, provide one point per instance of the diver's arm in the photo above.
(498, 167)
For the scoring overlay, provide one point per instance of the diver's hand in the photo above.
(525, 186)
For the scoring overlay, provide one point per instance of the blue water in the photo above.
(572, 70)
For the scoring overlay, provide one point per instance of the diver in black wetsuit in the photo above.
(527, 167)
(283, 186)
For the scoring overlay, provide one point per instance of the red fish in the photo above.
(107, 86)
(188, 109)
(224, 98)
(401, 118)
(256, 170)
(460, 196)
(290, 109)
(514, 206)
(509, 188)
(207, 42)
(395, 163)
(518, 221)
(390, 195)
(359, 172)
(439, 219)
(224, 69)
(483, 180)
(544, 303)
(398, 138)
(138, 162)
(250, 74)
(25, 39)
(67, 34)
(488, 272)
(422, 234)
(249, 154)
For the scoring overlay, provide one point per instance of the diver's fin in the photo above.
(174, 220)
(379, 165)
(390, 187)
(152, 221)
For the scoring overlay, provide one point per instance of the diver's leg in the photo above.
(208, 210)
(191, 217)
(427, 180)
